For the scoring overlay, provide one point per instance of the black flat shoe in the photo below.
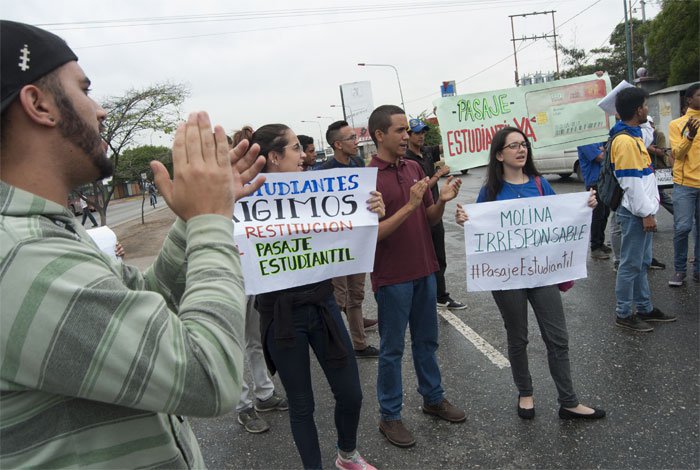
(566, 414)
(525, 413)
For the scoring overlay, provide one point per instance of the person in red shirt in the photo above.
(403, 279)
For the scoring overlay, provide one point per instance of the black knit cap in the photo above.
(27, 54)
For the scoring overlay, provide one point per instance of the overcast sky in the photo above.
(255, 63)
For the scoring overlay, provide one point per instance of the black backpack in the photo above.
(609, 189)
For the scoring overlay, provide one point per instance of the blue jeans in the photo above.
(686, 207)
(411, 304)
(632, 285)
(295, 373)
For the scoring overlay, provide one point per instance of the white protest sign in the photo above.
(607, 104)
(105, 239)
(528, 242)
(306, 227)
(664, 177)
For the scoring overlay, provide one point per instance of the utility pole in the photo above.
(644, 13)
(532, 38)
(628, 51)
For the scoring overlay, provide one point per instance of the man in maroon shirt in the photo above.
(403, 280)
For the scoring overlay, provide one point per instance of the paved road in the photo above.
(647, 382)
(124, 210)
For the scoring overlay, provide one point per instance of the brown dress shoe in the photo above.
(446, 411)
(396, 433)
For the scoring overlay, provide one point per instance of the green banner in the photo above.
(554, 116)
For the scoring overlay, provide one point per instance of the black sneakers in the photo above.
(368, 352)
(657, 316)
(634, 323)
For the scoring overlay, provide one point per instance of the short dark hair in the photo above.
(305, 141)
(380, 119)
(628, 101)
(690, 91)
(334, 130)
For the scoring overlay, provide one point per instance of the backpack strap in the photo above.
(538, 183)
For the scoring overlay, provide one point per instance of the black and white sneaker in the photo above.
(452, 305)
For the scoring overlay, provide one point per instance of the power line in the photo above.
(268, 14)
(269, 28)
(506, 57)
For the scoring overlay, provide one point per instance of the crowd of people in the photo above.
(101, 363)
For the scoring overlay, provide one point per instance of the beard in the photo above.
(79, 133)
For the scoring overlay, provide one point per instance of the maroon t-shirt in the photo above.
(408, 253)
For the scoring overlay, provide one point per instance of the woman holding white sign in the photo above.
(511, 174)
(294, 319)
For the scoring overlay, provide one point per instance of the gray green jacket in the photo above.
(98, 362)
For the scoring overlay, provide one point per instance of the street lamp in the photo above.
(397, 77)
(320, 133)
(345, 116)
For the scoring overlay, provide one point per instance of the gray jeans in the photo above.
(546, 302)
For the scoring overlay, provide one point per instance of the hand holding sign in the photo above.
(376, 204)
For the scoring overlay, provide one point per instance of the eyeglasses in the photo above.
(296, 147)
(350, 138)
(517, 145)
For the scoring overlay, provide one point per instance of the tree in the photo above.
(671, 40)
(612, 58)
(135, 161)
(674, 42)
(155, 109)
(576, 62)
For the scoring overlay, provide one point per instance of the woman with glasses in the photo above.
(294, 319)
(511, 174)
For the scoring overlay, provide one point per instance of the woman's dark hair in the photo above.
(494, 171)
(270, 137)
(245, 133)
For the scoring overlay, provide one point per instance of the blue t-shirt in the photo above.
(515, 191)
(590, 168)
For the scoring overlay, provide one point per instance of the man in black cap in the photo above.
(99, 362)
(426, 156)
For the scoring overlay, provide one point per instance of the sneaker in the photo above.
(355, 462)
(446, 411)
(274, 403)
(616, 265)
(452, 304)
(677, 280)
(252, 422)
(369, 324)
(368, 352)
(599, 253)
(656, 264)
(656, 315)
(634, 323)
(396, 433)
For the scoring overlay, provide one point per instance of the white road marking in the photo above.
(493, 355)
